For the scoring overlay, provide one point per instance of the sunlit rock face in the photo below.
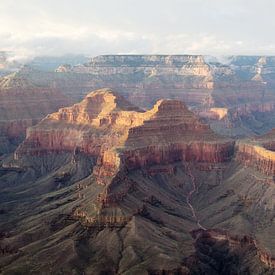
(167, 194)
(105, 124)
(203, 83)
(259, 153)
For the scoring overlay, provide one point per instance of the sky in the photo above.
(31, 28)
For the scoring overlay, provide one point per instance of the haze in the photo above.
(35, 27)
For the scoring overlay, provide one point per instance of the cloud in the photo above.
(36, 27)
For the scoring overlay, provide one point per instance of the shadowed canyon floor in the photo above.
(103, 187)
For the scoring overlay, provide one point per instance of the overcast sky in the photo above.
(93, 27)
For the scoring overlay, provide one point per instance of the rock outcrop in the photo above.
(259, 153)
(120, 137)
(195, 79)
(106, 126)
(244, 85)
(234, 246)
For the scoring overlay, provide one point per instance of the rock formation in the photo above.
(106, 126)
(23, 105)
(202, 83)
(240, 85)
(210, 240)
(259, 153)
(103, 187)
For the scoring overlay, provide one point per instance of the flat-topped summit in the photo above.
(146, 60)
(146, 66)
(259, 152)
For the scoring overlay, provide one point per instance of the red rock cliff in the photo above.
(258, 153)
(111, 129)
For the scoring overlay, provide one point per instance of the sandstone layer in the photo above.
(104, 187)
(106, 126)
(240, 84)
(200, 81)
(259, 153)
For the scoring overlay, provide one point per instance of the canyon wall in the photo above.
(118, 134)
(195, 79)
(203, 83)
(187, 152)
(23, 105)
(256, 156)
(243, 85)
(107, 127)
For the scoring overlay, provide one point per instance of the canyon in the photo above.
(169, 170)
(105, 187)
(243, 85)
(108, 127)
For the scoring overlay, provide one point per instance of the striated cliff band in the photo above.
(202, 82)
(243, 85)
(103, 187)
(104, 125)
(259, 153)
(23, 105)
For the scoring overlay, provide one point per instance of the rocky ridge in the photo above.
(120, 138)
(259, 153)
(240, 84)
(200, 82)
(104, 173)
(105, 124)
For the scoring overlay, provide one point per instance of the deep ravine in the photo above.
(189, 198)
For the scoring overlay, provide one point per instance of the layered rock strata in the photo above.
(259, 153)
(195, 79)
(23, 105)
(106, 126)
(139, 181)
